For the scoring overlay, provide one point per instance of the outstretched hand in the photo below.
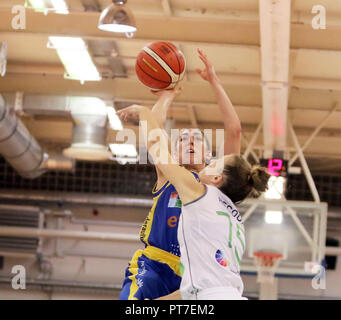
(168, 92)
(131, 112)
(208, 72)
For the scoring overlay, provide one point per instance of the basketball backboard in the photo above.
(295, 229)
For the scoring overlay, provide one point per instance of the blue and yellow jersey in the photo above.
(160, 228)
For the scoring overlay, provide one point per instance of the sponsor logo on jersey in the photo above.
(172, 221)
(174, 200)
(220, 258)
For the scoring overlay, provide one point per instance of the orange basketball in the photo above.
(160, 65)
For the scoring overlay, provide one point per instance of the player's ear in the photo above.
(217, 180)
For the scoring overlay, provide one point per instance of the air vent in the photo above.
(20, 216)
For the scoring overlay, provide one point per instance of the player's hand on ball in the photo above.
(131, 112)
(208, 72)
(168, 92)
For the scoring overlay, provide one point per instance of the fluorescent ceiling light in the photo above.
(273, 217)
(76, 58)
(60, 6)
(38, 5)
(275, 188)
(123, 150)
(114, 120)
(57, 6)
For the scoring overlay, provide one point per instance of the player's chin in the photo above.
(197, 163)
(192, 160)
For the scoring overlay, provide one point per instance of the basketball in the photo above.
(160, 65)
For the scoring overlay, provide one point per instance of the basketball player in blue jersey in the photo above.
(154, 271)
(211, 232)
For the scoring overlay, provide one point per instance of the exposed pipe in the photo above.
(106, 223)
(66, 234)
(77, 198)
(58, 162)
(84, 254)
(81, 235)
(333, 251)
(17, 145)
(20, 255)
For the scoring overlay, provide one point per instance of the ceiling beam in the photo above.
(166, 7)
(84, 24)
(216, 31)
(233, 79)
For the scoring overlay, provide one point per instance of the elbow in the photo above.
(235, 131)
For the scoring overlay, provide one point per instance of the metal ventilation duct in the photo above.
(17, 145)
(89, 133)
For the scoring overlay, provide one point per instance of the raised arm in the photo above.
(160, 108)
(159, 111)
(184, 182)
(231, 120)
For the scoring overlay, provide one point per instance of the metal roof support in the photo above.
(253, 141)
(315, 132)
(304, 164)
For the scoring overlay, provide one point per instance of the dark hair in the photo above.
(243, 180)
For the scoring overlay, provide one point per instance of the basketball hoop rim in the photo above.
(268, 255)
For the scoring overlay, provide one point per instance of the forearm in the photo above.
(230, 116)
(160, 108)
(232, 125)
(154, 131)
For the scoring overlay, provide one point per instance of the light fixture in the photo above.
(275, 188)
(273, 217)
(117, 18)
(76, 58)
(60, 6)
(37, 5)
(57, 6)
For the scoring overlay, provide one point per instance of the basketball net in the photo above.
(267, 264)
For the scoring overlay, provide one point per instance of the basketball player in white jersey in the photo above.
(161, 275)
(211, 231)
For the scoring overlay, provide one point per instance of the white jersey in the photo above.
(212, 242)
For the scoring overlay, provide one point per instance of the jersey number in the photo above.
(240, 233)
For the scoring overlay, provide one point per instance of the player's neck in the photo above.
(195, 168)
